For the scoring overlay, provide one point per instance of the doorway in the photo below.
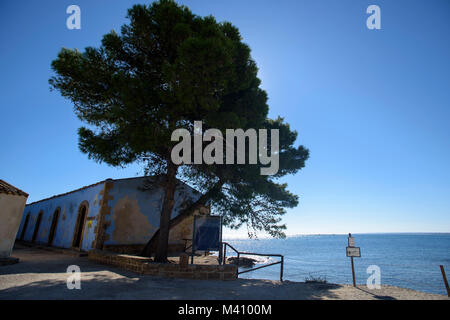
(25, 226)
(36, 228)
(79, 227)
(51, 235)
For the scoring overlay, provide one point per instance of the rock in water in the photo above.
(243, 262)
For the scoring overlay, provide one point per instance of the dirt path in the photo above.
(42, 275)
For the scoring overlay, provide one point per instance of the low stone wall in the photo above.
(137, 248)
(125, 248)
(144, 266)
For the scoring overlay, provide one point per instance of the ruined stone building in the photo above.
(119, 215)
(12, 202)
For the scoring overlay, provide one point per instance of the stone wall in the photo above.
(119, 213)
(124, 248)
(69, 206)
(136, 249)
(11, 208)
(144, 266)
(135, 206)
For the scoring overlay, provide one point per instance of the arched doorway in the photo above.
(79, 226)
(51, 235)
(36, 227)
(25, 226)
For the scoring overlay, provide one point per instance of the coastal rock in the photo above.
(243, 262)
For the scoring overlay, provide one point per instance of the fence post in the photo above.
(238, 257)
(224, 253)
(281, 268)
(220, 258)
(445, 280)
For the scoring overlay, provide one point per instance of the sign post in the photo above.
(445, 280)
(352, 251)
(207, 234)
(353, 272)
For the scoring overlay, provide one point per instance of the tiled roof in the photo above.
(92, 185)
(9, 189)
(82, 188)
(66, 193)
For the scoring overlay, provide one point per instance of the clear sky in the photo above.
(373, 106)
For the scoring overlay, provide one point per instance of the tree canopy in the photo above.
(166, 69)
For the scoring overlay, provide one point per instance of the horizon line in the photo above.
(330, 234)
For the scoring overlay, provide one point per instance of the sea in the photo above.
(405, 260)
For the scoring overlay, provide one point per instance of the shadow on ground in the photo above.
(103, 285)
(377, 297)
(42, 274)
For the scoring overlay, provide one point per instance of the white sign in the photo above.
(351, 241)
(353, 252)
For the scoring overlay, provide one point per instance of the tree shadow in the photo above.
(43, 275)
(38, 261)
(113, 286)
(376, 296)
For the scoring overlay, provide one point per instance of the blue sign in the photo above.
(207, 233)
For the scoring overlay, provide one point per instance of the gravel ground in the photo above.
(42, 274)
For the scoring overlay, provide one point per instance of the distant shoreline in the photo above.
(334, 234)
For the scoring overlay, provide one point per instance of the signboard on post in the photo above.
(207, 233)
(351, 241)
(353, 252)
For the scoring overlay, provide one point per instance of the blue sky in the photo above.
(373, 106)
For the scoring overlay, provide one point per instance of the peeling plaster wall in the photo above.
(184, 229)
(130, 214)
(69, 205)
(135, 213)
(11, 208)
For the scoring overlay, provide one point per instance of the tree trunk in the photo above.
(151, 245)
(164, 222)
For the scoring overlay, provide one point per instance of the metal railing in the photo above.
(223, 260)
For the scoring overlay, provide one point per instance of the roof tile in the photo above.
(10, 189)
